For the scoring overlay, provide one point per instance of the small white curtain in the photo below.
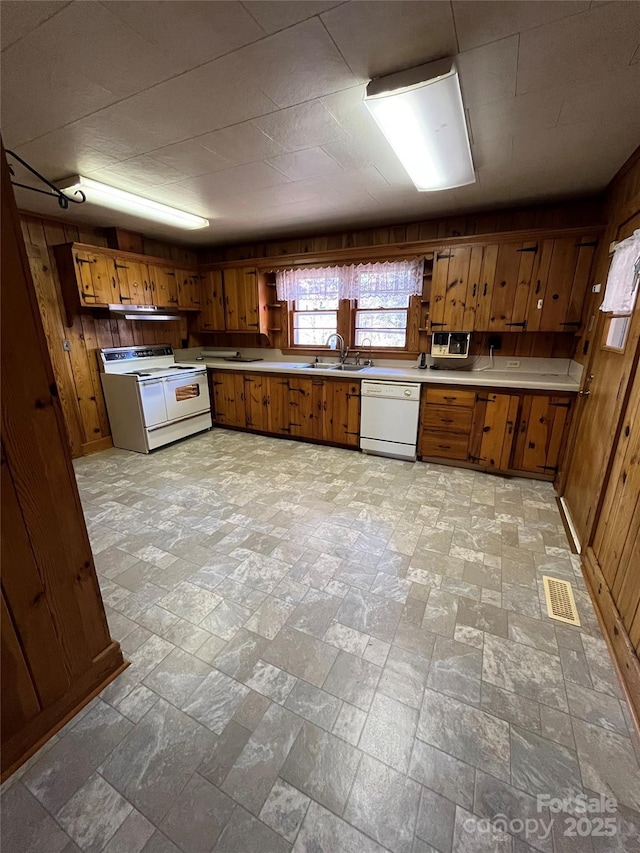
(623, 280)
(310, 288)
(385, 283)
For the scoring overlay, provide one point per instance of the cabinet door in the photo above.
(187, 282)
(196, 283)
(96, 284)
(503, 298)
(212, 314)
(454, 288)
(242, 310)
(228, 397)
(133, 279)
(341, 412)
(494, 422)
(164, 286)
(278, 405)
(305, 407)
(256, 399)
(560, 284)
(541, 428)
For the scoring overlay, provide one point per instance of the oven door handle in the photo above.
(151, 382)
(184, 380)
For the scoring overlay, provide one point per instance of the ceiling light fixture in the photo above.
(420, 112)
(116, 199)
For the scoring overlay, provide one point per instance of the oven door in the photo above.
(186, 395)
(152, 398)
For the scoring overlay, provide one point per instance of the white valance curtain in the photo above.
(373, 285)
(623, 280)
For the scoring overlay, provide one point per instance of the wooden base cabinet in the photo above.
(288, 405)
(503, 431)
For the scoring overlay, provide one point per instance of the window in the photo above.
(621, 293)
(314, 307)
(381, 312)
(377, 297)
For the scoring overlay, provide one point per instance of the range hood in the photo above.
(141, 312)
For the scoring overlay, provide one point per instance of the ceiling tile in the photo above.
(483, 22)
(142, 171)
(605, 99)
(18, 18)
(241, 143)
(581, 47)
(488, 73)
(295, 65)
(364, 31)
(303, 126)
(274, 15)
(365, 179)
(234, 181)
(535, 110)
(58, 155)
(201, 100)
(309, 163)
(189, 32)
(191, 158)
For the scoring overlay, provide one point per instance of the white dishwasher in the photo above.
(389, 419)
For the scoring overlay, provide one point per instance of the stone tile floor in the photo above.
(330, 653)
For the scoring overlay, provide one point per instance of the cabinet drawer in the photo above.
(448, 446)
(451, 397)
(453, 418)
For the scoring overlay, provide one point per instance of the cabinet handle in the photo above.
(484, 292)
(446, 420)
(475, 287)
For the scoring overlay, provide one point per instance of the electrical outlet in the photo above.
(596, 288)
(513, 364)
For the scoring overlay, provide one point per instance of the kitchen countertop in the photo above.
(484, 378)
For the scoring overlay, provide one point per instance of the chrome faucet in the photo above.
(343, 350)
(368, 361)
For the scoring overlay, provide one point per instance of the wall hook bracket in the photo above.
(63, 200)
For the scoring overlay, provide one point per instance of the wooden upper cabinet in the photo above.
(164, 286)
(541, 429)
(94, 277)
(188, 290)
(211, 317)
(133, 279)
(244, 300)
(505, 284)
(97, 282)
(454, 288)
(560, 284)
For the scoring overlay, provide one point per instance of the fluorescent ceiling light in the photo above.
(420, 112)
(126, 202)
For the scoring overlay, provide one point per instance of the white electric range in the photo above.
(151, 400)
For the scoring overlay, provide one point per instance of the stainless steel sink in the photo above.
(350, 367)
(317, 366)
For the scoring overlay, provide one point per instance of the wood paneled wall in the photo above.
(602, 488)
(56, 649)
(76, 370)
(580, 213)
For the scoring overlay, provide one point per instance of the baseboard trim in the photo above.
(108, 665)
(96, 446)
(569, 527)
(625, 659)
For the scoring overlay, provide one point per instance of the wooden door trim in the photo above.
(625, 660)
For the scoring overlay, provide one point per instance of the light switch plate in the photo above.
(66, 345)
